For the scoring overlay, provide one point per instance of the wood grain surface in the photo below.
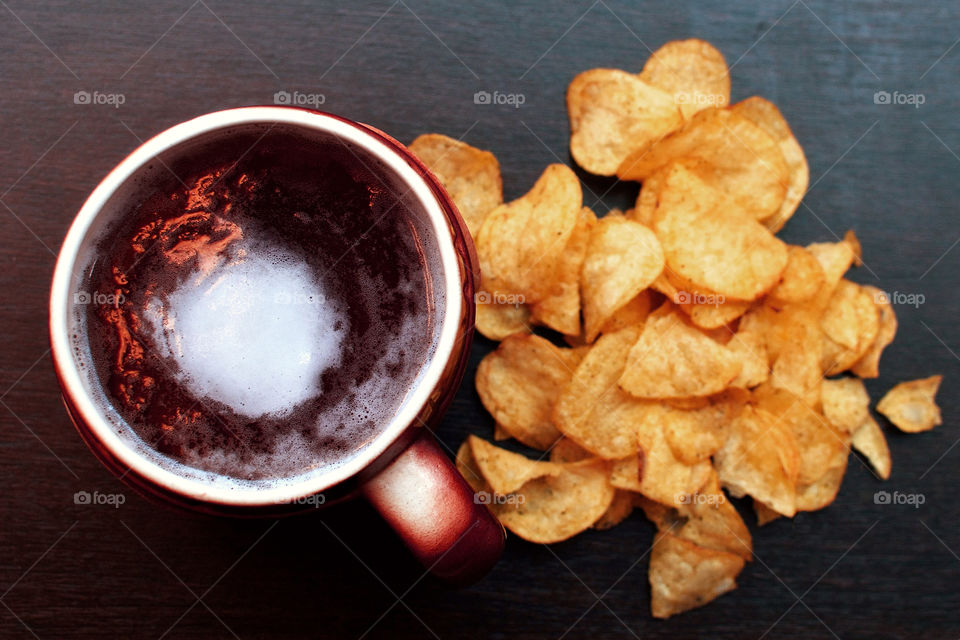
(856, 570)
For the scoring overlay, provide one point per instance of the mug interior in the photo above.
(125, 186)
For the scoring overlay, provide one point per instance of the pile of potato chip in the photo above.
(702, 353)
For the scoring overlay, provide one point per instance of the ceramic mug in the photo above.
(403, 472)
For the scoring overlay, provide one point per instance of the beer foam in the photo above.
(254, 331)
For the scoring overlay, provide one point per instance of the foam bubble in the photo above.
(255, 332)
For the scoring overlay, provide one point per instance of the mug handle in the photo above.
(433, 509)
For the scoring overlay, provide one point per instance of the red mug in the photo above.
(403, 472)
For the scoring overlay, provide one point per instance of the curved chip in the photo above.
(632, 314)
(868, 366)
(497, 321)
(674, 359)
(712, 245)
(767, 116)
(554, 508)
(801, 279)
(911, 406)
(560, 310)
(850, 324)
(623, 258)
(684, 575)
(471, 176)
(692, 71)
(520, 242)
(612, 112)
(592, 410)
(619, 510)
(505, 472)
(519, 384)
(740, 160)
(846, 403)
(760, 459)
(870, 441)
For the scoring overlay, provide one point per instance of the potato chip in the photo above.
(765, 515)
(674, 359)
(497, 321)
(696, 433)
(657, 473)
(632, 314)
(611, 113)
(521, 242)
(760, 459)
(684, 575)
(592, 410)
(823, 491)
(499, 433)
(519, 384)
(711, 245)
(692, 71)
(802, 278)
(467, 467)
(740, 159)
(566, 450)
(850, 323)
(623, 258)
(560, 310)
(618, 511)
(748, 345)
(713, 315)
(911, 405)
(553, 508)
(504, 471)
(765, 114)
(846, 403)
(470, 176)
(868, 366)
(870, 441)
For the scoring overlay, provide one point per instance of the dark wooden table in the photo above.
(857, 569)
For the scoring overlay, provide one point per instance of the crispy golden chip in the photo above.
(623, 259)
(499, 320)
(765, 114)
(868, 366)
(632, 314)
(612, 112)
(850, 323)
(684, 575)
(801, 279)
(822, 448)
(499, 433)
(911, 405)
(740, 160)
(519, 384)
(561, 309)
(566, 450)
(504, 471)
(617, 512)
(765, 515)
(712, 245)
(713, 316)
(674, 359)
(692, 71)
(834, 258)
(748, 345)
(760, 459)
(870, 441)
(657, 473)
(592, 410)
(694, 433)
(470, 176)
(467, 467)
(846, 403)
(821, 492)
(521, 242)
(553, 508)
